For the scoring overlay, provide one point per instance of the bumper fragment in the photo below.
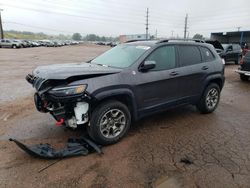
(75, 147)
(246, 73)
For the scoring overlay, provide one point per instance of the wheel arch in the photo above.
(219, 80)
(124, 96)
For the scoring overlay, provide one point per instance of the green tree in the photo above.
(76, 36)
(198, 36)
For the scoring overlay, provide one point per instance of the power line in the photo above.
(73, 15)
(37, 27)
(117, 21)
(40, 4)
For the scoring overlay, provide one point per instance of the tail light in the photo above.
(241, 61)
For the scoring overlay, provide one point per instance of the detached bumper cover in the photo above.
(246, 73)
(74, 147)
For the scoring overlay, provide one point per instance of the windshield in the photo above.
(121, 56)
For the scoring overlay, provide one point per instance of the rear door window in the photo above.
(206, 54)
(189, 55)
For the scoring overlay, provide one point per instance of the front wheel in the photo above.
(109, 122)
(210, 99)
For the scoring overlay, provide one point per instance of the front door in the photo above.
(158, 86)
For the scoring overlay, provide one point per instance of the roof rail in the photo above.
(134, 40)
(190, 40)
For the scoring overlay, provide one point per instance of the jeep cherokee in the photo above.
(128, 82)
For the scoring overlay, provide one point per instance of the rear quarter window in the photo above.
(189, 55)
(207, 55)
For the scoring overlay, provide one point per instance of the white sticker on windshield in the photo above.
(143, 47)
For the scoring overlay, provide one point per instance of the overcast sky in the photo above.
(116, 17)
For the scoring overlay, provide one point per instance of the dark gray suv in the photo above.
(128, 82)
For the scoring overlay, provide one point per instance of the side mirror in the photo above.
(147, 65)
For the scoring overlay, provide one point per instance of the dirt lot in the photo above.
(217, 145)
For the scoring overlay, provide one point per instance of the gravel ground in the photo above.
(177, 148)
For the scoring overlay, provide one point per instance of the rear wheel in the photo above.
(210, 99)
(14, 46)
(244, 77)
(109, 122)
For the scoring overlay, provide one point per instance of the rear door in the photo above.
(195, 65)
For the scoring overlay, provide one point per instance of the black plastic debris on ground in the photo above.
(186, 161)
(75, 147)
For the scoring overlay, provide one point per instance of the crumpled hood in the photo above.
(64, 71)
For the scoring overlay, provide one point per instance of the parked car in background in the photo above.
(232, 52)
(8, 43)
(229, 52)
(25, 44)
(244, 69)
(128, 82)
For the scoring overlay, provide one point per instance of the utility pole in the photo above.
(185, 28)
(172, 34)
(238, 28)
(147, 24)
(1, 25)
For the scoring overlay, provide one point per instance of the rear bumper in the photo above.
(246, 73)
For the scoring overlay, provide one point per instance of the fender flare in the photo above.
(213, 77)
(102, 95)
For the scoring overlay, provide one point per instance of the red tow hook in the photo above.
(59, 123)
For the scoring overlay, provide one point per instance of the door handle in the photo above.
(174, 73)
(204, 68)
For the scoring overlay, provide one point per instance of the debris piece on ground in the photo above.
(186, 161)
(74, 147)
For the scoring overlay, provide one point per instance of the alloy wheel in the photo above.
(212, 98)
(112, 123)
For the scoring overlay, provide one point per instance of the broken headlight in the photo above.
(68, 90)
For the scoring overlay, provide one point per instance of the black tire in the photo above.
(203, 105)
(100, 112)
(244, 77)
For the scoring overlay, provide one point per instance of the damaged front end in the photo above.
(69, 105)
(61, 90)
